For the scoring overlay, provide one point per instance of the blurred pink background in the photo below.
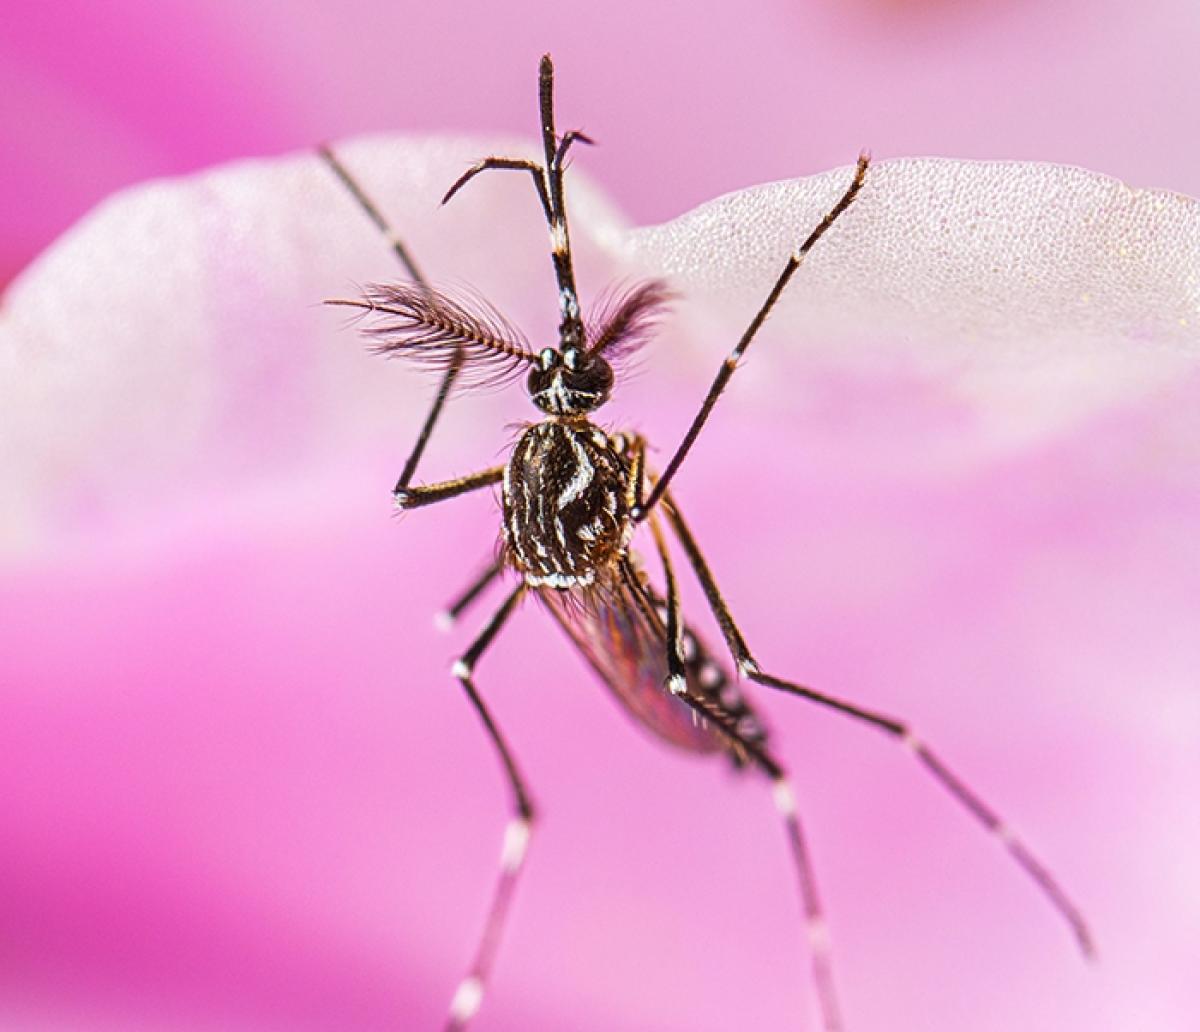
(688, 101)
(238, 789)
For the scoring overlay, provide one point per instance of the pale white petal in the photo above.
(174, 340)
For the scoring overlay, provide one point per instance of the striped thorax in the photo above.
(568, 492)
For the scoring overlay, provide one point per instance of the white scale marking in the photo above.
(516, 841)
(584, 472)
(558, 237)
(560, 580)
(818, 936)
(460, 669)
(785, 798)
(443, 621)
(747, 667)
(557, 393)
(467, 998)
(568, 304)
(677, 683)
(522, 512)
(690, 648)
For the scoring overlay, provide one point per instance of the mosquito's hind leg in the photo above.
(749, 743)
(469, 995)
(898, 730)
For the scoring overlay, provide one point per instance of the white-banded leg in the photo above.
(755, 749)
(548, 181)
(446, 618)
(469, 995)
(748, 667)
(816, 926)
(725, 373)
(371, 210)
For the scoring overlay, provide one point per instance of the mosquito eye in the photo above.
(547, 358)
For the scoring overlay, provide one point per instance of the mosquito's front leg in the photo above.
(735, 356)
(371, 210)
(510, 165)
(548, 181)
(427, 494)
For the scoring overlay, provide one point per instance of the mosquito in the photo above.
(573, 494)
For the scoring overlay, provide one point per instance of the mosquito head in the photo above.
(570, 382)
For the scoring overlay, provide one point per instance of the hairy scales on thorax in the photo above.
(567, 495)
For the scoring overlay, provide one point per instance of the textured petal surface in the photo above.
(1034, 292)
(176, 329)
(241, 792)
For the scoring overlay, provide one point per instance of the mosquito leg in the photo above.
(571, 327)
(548, 179)
(469, 995)
(428, 494)
(447, 617)
(444, 388)
(569, 139)
(814, 915)
(784, 796)
(676, 667)
(507, 164)
(735, 356)
(634, 451)
(899, 730)
(371, 211)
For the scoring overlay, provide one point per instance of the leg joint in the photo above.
(516, 840)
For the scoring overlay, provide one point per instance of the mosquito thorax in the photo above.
(570, 381)
(567, 497)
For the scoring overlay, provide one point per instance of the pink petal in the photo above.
(241, 792)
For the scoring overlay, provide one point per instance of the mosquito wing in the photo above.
(627, 647)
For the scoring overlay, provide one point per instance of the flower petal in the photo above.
(241, 791)
(175, 336)
(1037, 293)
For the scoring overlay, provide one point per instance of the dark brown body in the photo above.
(568, 492)
(572, 496)
(569, 488)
